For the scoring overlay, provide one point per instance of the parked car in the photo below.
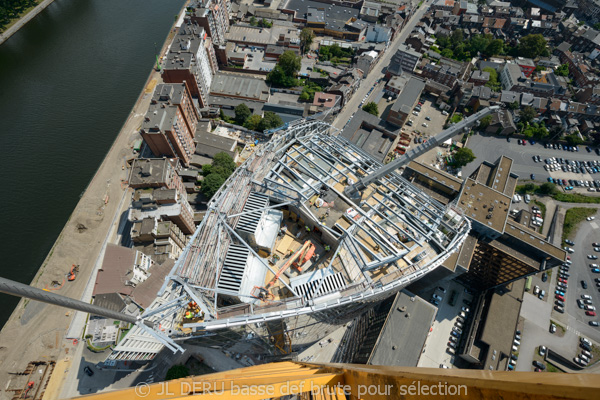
(552, 328)
(436, 297)
(465, 309)
(539, 365)
(593, 323)
(542, 351)
(88, 371)
(441, 289)
(584, 284)
(559, 309)
(590, 313)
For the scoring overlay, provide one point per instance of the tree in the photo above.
(242, 113)
(495, 46)
(548, 188)
(177, 372)
(371, 108)
(448, 53)
(562, 70)
(479, 43)
(211, 184)
(309, 90)
(514, 105)
(270, 121)
(493, 81)
(573, 139)
(290, 63)
(284, 73)
(527, 114)
(485, 122)
(532, 46)
(463, 156)
(253, 21)
(264, 23)
(225, 117)
(457, 37)
(224, 161)
(306, 38)
(252, 122)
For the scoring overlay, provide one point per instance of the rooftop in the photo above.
(485, 205)
(239, 86)
(403, 335)
(409, 95)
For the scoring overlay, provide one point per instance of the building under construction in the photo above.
(307, 234)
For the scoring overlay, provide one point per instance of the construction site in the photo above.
(307, 234)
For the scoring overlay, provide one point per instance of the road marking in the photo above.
(575, 331)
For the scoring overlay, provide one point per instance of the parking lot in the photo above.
(488, 148)
(430, 116)
(436, 345)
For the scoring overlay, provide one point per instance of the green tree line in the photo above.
(10, 9)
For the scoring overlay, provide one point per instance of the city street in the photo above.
(370, 81)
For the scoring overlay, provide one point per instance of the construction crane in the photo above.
(352, 190)
(296, 260)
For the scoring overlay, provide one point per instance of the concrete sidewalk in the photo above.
(4, 36)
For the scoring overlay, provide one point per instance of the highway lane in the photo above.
(369, 82)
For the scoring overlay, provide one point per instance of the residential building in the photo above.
(213, 16)
(407, 99)
(155, 173)
(527, 66)
(447, 72)
(166, 204)
(406, 59)
(192, 59)
(166, 128)
(510, 76)
(370, 11)
(371, 134)
(161, 240)
(366, 61)
(479, 78)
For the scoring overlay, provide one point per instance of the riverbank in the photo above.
(36, 331)
(14, 28)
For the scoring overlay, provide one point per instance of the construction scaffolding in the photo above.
(356, 252)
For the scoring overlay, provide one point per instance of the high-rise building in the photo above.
(192, 59)
(170, 123)
(213, 16)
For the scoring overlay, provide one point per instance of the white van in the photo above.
(527, 198)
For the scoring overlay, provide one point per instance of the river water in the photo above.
(68, 80)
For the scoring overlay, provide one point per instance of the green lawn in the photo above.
(551, 368)
(573, 217)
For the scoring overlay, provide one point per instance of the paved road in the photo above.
(369, 82)
(486, 148)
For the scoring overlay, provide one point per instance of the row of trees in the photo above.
(10, 9)
(335, 53)
(456, 47)
(263, 23)
(245, 118)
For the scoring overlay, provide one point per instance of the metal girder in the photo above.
(20, 290)
(414, 153)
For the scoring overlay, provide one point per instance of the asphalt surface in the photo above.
(490, 148)
(588, 232)
(437, 342)
(377, 72)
